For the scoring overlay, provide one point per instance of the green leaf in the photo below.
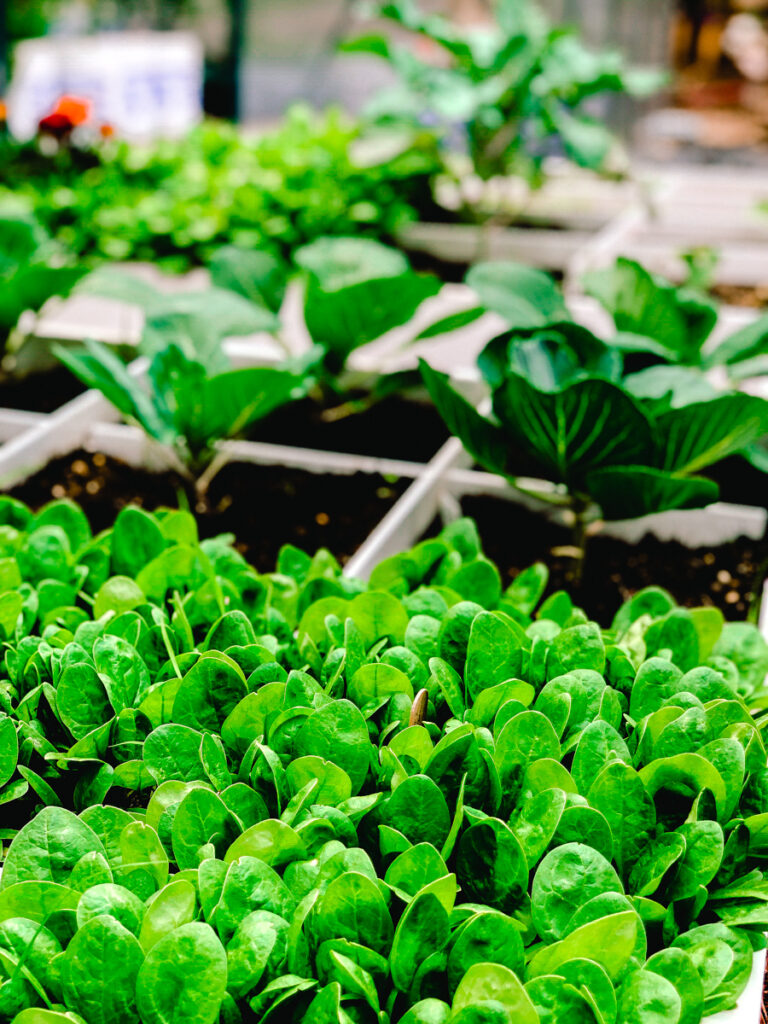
(747, 343)
(136, 540)
(450, 323)
(183, 978)
(344, 319)
(644, 305)
(9, 749)
(338, 263)
(353, 908)
(491, 866)
(271, 840)
(495, 984)
(567, 878)
(723, 957)
(338, 732)
(619, 793)
(201, 818)
(418, 809)
(47, 848)
(256, 275)
(702, 433)
(99, 972)
(647, 998)
(610, 940)
(566, 430)
(483, 440)
(525, 297)
(99, 368)
(421, 931)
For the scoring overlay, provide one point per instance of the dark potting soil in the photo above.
(263, 506)
(395, 428)
(40, 392)
(723, 576)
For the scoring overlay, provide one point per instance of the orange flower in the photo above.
(106, 131)
(74, 109)
(3, 112)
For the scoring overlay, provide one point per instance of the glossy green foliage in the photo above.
(632, 442)
(243, 811)
(672, 325)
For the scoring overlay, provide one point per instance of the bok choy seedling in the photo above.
(560, 399)
(192, 398)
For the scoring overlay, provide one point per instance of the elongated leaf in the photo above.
(749, 342)
(450, 323)
(703, 433)
(482, 439)
(100, 368)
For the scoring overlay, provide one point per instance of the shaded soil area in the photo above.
(40, 392)
(395, 428)
(723, 576)
(264, 506)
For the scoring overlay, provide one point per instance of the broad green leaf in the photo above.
(183, 978)
(99, 972)
(525, 297)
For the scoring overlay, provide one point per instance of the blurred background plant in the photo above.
(174, 202)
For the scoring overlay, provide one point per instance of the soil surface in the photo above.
(723, 576)
(395, 428)
(40, 392)
(264, 506)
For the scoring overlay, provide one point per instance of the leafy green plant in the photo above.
(356, 291)
(630, 445)
(192, 398)
(32, 268)
(672, 326)
(513, 90)
(175, 202)
(418, 800)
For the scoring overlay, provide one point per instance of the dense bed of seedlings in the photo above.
(296, 797)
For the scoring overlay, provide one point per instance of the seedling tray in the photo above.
(551, 227)
(694, 207)
(264, 499)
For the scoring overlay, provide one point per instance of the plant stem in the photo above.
(347, 409)
(204, 480)
(580, 523)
